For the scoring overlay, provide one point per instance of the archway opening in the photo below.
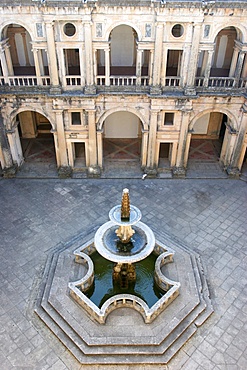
(206, 146)
(36, 142)
(123, 51)
(122, 140)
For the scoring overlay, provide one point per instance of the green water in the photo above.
(104, 289)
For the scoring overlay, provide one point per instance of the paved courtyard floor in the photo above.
(208, 215)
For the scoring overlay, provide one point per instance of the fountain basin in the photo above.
(106, 243)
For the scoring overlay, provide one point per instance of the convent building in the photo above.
(161, 84)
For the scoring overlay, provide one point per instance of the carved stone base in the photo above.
(233, 172)
(191, 91)
(55, 90)
(64, 172)
(93, 171)
(90, 90)
(150, 172)
(155, 90)
(10, 172)
(179, 172)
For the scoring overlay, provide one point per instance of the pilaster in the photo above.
(52, 57)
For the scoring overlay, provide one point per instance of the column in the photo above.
(51, 54)
(144, 150)
(37, 66)
(4, 66)
(92, 138)
(138, 67)
(24, 41)
(100, 147)
(15, 146)
(107, 65)
(234, 62)
(193, 61)
(89, 53)
(184, 140)
(208, 67)
(163, 67)
(150, 67)
(239, 148)
(157, 54)
(152, 140)
(239, 66)
(5, 153)
(62, 158)
(82, 63)
(8, 59)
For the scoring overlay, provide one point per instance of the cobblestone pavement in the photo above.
(210, 216)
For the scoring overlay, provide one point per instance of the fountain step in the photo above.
(93, 343)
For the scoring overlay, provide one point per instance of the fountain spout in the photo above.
(125, 232)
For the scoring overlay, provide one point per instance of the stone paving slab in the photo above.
(208, 215)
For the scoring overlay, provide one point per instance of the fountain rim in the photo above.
(115, 216)
(107, 254)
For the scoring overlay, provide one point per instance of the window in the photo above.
(177, 30)
(69, 29)
(169, 119)
(76, 118)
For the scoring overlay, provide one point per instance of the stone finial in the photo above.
(125, 205)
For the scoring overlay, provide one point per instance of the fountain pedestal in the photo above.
(132, 241)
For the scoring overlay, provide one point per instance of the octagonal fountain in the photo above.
(121, 248)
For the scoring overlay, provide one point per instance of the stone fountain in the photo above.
(124, 326)
(124, 240)
(132, 241)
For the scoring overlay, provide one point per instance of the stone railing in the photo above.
(170, 288)
(220, 83)
(173, 81)
(25, 81)
(123, 81)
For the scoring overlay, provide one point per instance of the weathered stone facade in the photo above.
(165, 72)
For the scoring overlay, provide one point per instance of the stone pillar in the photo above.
(8, 59)
(107, 66)
(234, 62)
(100, 147)
(61, 149)
(52, 57)
(184, 140)
(37, 65)
(4, 66)
(163, 66)
(208, 67)
(15, 146)
(193, 60)
(89, 88)
(144, 149)
(150, 67)
(82, 61)
(157, 59)
(24, 41)
(139, 67)
(151, 168)
(93, 170)
(237, 155)
(9, 169)
(239, 66)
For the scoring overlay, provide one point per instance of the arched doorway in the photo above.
(36, 143)
(207, 148)
(122, 140)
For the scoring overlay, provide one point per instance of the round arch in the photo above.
(216, 110)
(128, 24)
(241, 31)
(102, 119)
(4, 28)
(32, 109)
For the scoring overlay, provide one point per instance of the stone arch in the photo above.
(101, 120)
(6, 24)
(32, 109)
(229, 114)
(128, 24)
(240, 30)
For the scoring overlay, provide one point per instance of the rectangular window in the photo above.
(76, 118)
(169, 119)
